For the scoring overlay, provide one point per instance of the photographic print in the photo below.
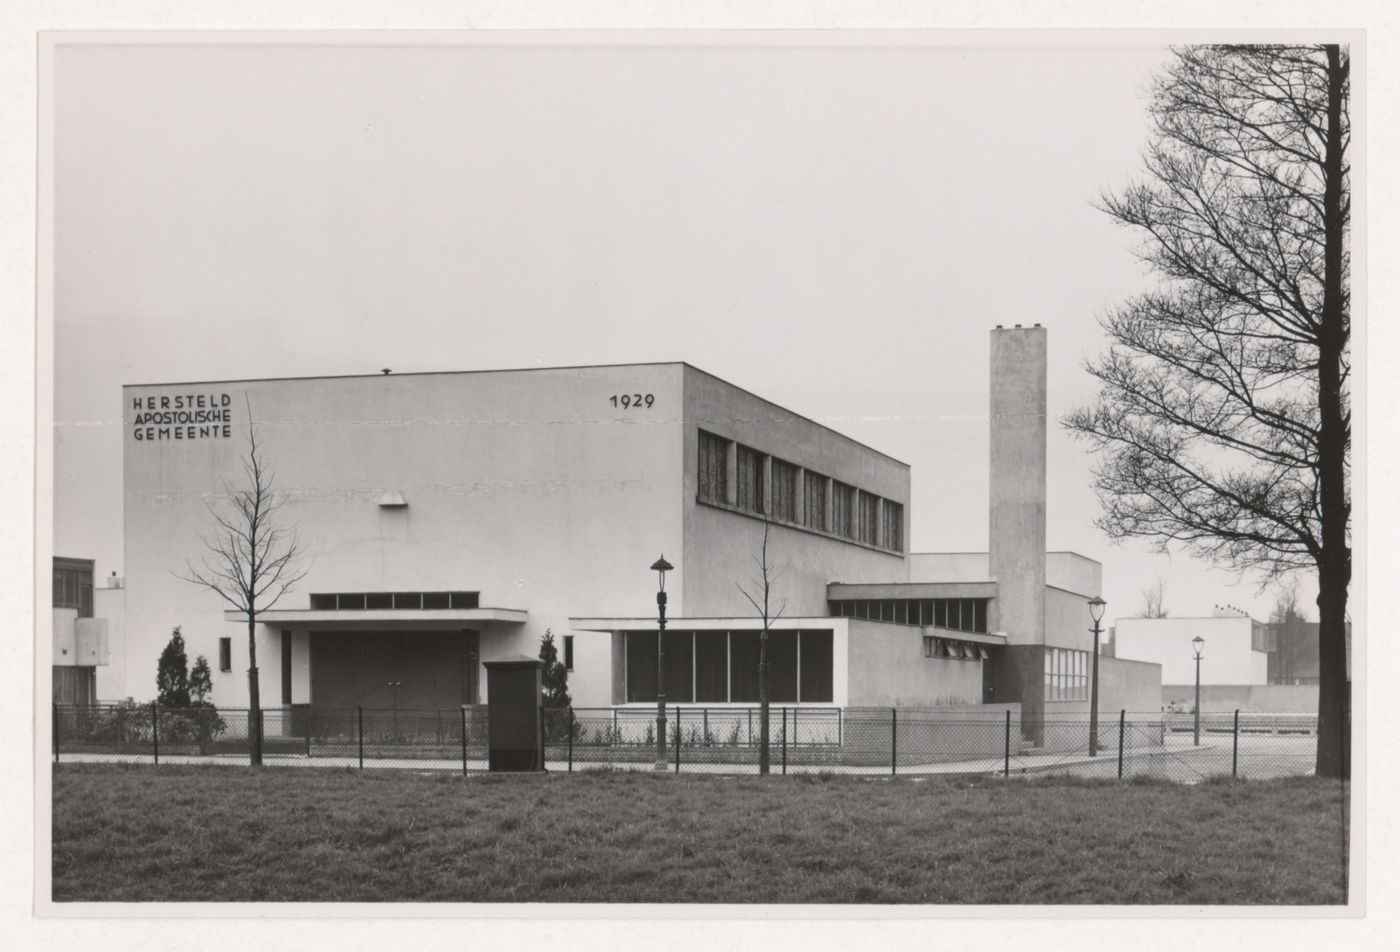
(845, 470)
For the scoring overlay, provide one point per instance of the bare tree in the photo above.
(761, 600)
(1154, 600)
(1290, 626)
(251, 561)
(1223, 419)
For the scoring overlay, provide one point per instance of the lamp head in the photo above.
(1198, 643)
(1096, 607)
(661, 567)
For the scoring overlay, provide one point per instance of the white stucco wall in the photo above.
(532, 488)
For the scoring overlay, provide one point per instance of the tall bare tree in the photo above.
(1223, 418)
(761, 598)
(1154, 600)
(251, 561)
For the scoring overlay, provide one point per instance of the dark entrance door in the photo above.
(393, 670)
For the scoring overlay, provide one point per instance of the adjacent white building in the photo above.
(1235, 651)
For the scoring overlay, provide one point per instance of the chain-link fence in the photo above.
(865, 741)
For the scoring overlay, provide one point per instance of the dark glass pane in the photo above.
(816, 667)
(350, 602)
(782, 667)
(679, 689)
(436, 600)
(378, 600)
(408, 600)
(940, 612)
(465, 599)
(641, 666)
(743, 666)
(711, 667)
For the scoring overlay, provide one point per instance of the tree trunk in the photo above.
(254, 701)
(1334, 560)
(763, 702)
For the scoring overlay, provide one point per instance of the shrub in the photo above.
(172, 673)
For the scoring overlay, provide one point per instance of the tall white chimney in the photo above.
(1016, 544)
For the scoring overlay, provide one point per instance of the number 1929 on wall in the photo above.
(634, 401)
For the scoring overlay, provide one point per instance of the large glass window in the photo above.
(714, 471)
(72, 585)
(717, 667)
(1066, 675)
(641, 666)
(750, 466)
(784, 491)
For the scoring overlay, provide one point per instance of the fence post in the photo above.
(57, 720)
(1235, 752)
(784, 742)
(1006, 761)
(678, 737)
(894, 740)
(360, 732)
(464, 741)
(155, 733)
(1122, 723)
(571, 740)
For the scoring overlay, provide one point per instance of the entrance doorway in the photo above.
(394, 670)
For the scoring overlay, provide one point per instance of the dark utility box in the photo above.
(515, 713)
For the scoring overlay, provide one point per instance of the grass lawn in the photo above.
(215, 834)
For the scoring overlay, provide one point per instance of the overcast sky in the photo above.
(835, 228)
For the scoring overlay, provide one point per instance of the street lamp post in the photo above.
(661, 567)
(1096, 607)
(1198, 643)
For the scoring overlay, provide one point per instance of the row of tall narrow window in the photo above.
(721, 667)
(396, 601)
(961, 614)
(799, 496)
